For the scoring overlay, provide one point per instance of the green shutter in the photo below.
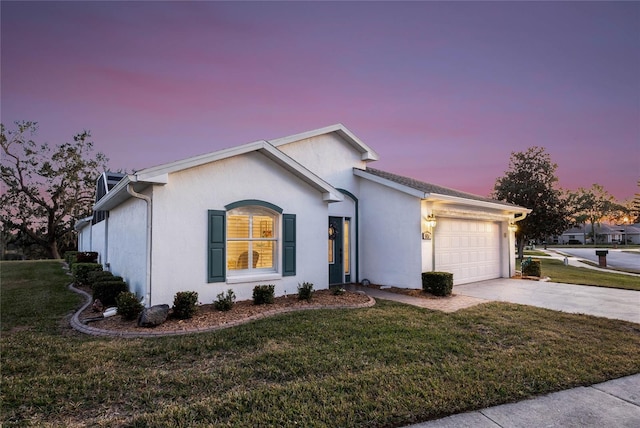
(288, 244)
(216, 251)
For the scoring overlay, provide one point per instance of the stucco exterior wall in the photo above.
(126, 251)
(426, 208)
(180, 226)
(84, 238)
(98, 240)
(391, 251)
(333, 159)
(330, 158)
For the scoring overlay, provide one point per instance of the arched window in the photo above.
(252, 240)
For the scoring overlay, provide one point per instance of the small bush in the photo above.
(129, 307)
(531, 268)
(106, 278)
(185, 304)
(107, 291)
(437, 283)
(99, 276)
(305, 291)
(81, 272)
(70, 257)
(87, 257)
(337, 291)
(263, 294)
(225, 302)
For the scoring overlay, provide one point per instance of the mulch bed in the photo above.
(208, 317)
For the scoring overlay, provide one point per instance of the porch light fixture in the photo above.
(430, 221)
(513, 227)
(332, 232)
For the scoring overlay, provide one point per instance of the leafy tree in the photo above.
(593, 205)
(623, 213)
(530, 183)
(45, 189)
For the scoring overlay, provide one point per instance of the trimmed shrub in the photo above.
(87, 257)
(81, 272)
(305, 291)
(129, 307)
(225, 302)
(70, 257)
(107, 291)
(437, 283)
(531, 268)
(185, 304)
(98, 276)
(263, 294)
(337, 290)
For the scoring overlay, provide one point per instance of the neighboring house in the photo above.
(304, 208)
(605, 234)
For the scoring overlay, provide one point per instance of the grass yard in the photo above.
(389, 365)
(533, 253)
(558, 272)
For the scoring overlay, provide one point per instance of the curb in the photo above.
(77, 325)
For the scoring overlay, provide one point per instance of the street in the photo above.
(617, 258)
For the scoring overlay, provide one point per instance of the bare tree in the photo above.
(45, 189)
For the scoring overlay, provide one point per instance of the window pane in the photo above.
(331, 245)
(262, 226)
(238, 226)
(237, 255)
(347, 250)
(264, 253)
(252, 239)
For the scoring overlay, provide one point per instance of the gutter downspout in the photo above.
(522, 217)
(147, 199)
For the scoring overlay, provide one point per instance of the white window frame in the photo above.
(251, 211)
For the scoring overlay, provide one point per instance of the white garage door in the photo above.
(469, 249)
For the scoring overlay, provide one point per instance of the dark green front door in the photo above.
(335, 250)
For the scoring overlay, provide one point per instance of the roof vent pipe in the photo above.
(147, 199)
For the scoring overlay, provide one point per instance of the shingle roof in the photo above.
(433, 188)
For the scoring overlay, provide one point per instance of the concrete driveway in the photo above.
(598, 301)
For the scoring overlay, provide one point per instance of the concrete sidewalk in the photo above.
(615, 403)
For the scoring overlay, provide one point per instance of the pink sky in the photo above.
(443, 91)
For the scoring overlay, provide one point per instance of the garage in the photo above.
(470, 249)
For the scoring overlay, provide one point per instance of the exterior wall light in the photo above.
(429, 224)
(513, 227)
(430, 221)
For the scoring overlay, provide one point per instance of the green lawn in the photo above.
(389, 365)
(558, 272)
(534, 253)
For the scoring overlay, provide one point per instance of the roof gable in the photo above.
(160, 174)
(367, 153)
